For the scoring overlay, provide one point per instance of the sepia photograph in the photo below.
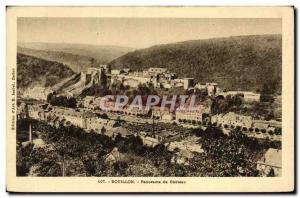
(125, 100)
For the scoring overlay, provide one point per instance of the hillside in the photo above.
(77, 56)
(76, 62)
(35, 71)
(236, 63)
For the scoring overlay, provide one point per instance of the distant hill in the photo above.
(236, 63)
(34, 71)
(76, 62)
(77, 56)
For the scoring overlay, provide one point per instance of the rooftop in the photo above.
(272, 157)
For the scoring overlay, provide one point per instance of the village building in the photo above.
(200, 86)
(38, 93)
(83, 119)
(247, 95)
(35, 112)
(88, 101)
(97, 124)
(116, 72)
(135, 110)
(267, 124)
(260, 129)
(158, 77)
(157, 70)
(39, 111)
(114, 132)
(271, 127)
(270, 164)
(133, 79)
(110, 106)
(186, 83)
(182, 157)
(114, 156)
(212, 88)
(22, 111)
(232, 119)
(169, 76)
(126, 70)
(149, 141)
(67, 94)
(251, 96)
(189, 143)
(73, 116)
(260, 125)
(193, 115)
(120, 71)
(164, 115)
(37, 143)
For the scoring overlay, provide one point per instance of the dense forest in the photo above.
(236, 63)
(76, 62)
(35, 71)
(84, 154)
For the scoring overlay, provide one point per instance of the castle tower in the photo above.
(83, 77)
(30, 133)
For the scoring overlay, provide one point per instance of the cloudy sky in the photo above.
(138, 33)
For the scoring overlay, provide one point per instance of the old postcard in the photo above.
(150, 99)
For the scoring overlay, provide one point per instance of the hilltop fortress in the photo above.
(86, 79)
(153, 76)
(157, 77)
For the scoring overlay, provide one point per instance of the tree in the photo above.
(219, 105)
(268, 90)
(120, 168)
(55, 100)
(235, 101)
(103, 131)
(103, 80)
(201, 93)
(72, 103)
(23, 159)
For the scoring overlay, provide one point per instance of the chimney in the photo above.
(30, 133)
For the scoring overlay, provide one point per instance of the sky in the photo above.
(138, 32)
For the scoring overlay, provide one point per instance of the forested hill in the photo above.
(236, 63)
(32, 71)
